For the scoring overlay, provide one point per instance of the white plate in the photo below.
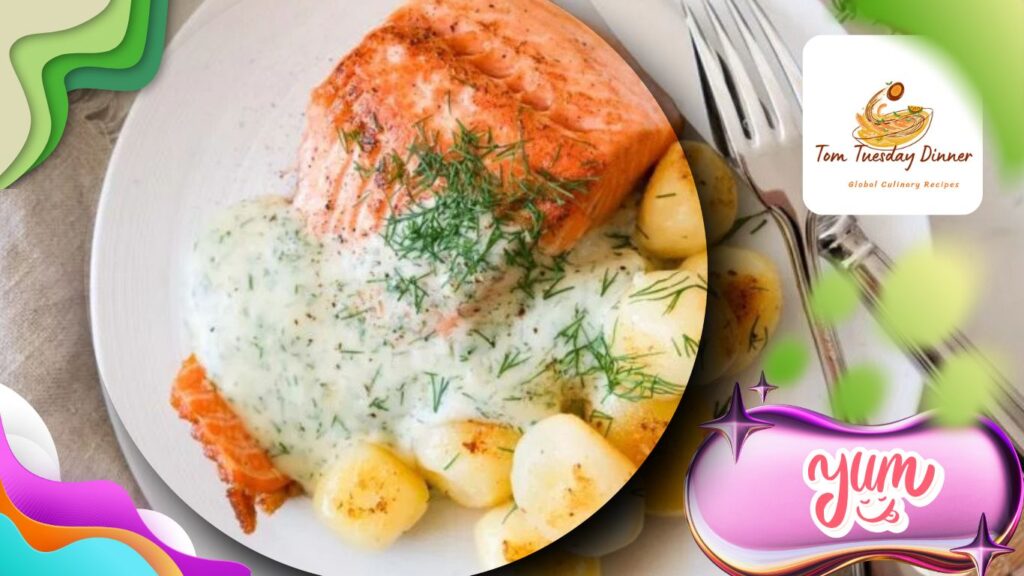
(221, 123)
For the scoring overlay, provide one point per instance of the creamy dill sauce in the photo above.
(313, 347)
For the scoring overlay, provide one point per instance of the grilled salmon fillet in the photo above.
(244, 466)
(524, 71)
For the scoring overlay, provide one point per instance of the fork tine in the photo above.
(748, 98)
(777, 99)
(727, 114)
(789, 66)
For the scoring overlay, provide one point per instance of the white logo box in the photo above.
(841, 73)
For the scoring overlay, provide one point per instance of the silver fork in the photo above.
(762, 137)
(762, 151)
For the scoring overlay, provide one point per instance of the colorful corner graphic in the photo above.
(46, 526)
(57, 46)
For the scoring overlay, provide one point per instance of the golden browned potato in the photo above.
(696, 264)
(469, 461)
(563, 471)
(664, 473)
(720, 343)
(660, 322)
(749, 284)
(716, 187)
(669, 222)
(369, 497)
(634, 426)
(505, 535)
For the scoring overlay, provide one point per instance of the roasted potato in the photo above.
(696, 264)
(369, 497)
(749, 285)
(716, 188)
(633, 426)
(664, 474)
(660, 321)
(669, 222)
(469, 461)
(505, 535)
(563, 471)
(720, 343)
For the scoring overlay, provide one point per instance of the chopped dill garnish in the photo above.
(349, 314)
(621, 240)
(490, 341)
(336, 421)
(741, 222)
(348, 138)
(607, 281)
(756, 339)
(602, 421)
(689, 345)
(438, 388)
(760, 225)
(510, 511)
(668, 290)
(408, 287)
(364, 171)
(623, 375)
(510, 361)
(452, 461)
(482, 217)
(378, 403)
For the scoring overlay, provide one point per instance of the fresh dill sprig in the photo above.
(460, 216)
(510, 361)
(607, 281)
(602, 421)
(621, 240)
(623, 375)
(756, 339)
(668, 290)
(408, 287)
(438, 387)
(490, 341)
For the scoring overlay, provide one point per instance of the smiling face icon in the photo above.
(880, 513)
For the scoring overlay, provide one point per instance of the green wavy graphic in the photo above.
(984, 38)
(118, 49)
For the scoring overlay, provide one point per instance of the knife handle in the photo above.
(843, 242)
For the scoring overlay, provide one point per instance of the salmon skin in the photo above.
(523, 71)
(245, 466)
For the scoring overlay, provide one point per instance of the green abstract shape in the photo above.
(835, 297)
(139, 75)
(124, 56)
(30, 56)
(859, 393)
(983, 38)
(786, 361)
(119, 49)
(928, 295)
(961, 389)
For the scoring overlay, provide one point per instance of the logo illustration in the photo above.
(869, 488)
(883, 130)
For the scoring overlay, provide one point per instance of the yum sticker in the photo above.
(869, 488)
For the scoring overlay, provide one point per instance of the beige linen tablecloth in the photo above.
(45, 233)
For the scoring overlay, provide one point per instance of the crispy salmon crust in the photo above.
(243, 465)
(523, 70)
